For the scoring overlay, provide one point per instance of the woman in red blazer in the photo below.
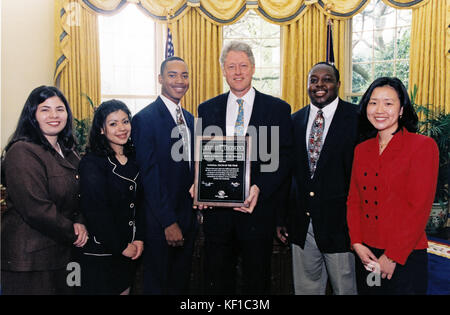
(392, 187)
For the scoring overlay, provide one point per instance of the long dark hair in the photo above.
(98, 143)
(408, 119)
(28, 127)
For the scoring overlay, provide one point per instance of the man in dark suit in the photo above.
(246, 232)
(326, 132)
(162, 134)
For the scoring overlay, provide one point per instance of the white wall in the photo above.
(27, 55)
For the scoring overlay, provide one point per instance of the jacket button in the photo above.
(131, 187)
(311, 193)
(308, 214)
(132, 205)
(130, 223)
(77, 176)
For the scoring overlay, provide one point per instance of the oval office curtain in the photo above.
(197, 36)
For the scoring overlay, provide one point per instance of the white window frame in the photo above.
(160, 41)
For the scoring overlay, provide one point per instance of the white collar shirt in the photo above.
(172, 107)
(328, 114)
(233, 108)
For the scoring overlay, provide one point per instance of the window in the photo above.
(380, 46)
(130, 54)
(264, 38)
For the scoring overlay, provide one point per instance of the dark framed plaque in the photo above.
(222, 171)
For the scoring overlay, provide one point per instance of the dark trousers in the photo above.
(232, 254)
(411, 278)
(167, 269)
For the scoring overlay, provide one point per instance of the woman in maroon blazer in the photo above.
(42, 223)
(393, 184)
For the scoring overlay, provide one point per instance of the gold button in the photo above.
(311, 193)
(77, 176)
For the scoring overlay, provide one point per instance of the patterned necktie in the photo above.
(239, 126)
(183, 131)
(315, 141)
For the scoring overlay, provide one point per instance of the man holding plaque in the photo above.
(246, 231)
(162, 134)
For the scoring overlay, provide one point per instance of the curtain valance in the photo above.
(224, 12)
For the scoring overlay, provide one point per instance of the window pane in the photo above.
(402, 72)
(362, 46)
(380, 45)
(127, 55)
(383, 15)
(264, 38)
(385, 69)
(384, 44)
(267, 80)
(362, 77)
(403, 17)
(403, 42)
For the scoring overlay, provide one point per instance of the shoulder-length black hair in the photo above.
(98, 143)
(28, 127)
(408, 119)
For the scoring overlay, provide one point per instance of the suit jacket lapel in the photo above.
(221, 114)
(166, 117)
(302, 138)
(257, 111)
(70, 160)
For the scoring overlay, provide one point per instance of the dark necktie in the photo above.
(239, 125)
(315, 141)
(183, 131)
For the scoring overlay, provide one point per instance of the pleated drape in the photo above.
(197, 37)
(430, 54)
(199, 43)
(77, 56)
(303, 45)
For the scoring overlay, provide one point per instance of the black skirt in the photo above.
(105, 275)
(410, 278)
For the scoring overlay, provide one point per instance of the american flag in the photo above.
(330, 53)
(169, 44)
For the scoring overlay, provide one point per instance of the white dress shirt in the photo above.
(172, 107)
(233, 109)
(328, 114)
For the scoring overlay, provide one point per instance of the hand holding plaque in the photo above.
(222, 172)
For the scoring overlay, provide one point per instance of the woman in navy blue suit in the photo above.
(109, 184)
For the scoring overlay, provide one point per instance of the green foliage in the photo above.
(81, 128)
(436, 124)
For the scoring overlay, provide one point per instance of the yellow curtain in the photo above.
(199, 43)
(430, 54)
(76, 59)
(303, 45)
(197, 38)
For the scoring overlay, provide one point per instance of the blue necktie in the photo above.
(239, 126)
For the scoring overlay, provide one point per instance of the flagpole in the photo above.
(169, 51)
